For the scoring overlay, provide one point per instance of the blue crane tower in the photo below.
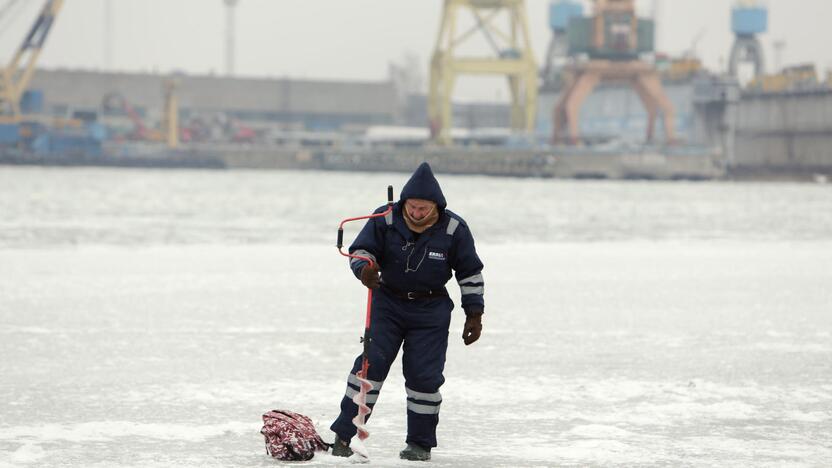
(560, 13)
(749, 18)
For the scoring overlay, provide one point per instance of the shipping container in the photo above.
(32, 102)
(9, 134)
(618, 33)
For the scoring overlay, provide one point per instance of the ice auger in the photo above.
(360, 398)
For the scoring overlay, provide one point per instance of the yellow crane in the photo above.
(513, 59)
(15, 77)
(170, 118)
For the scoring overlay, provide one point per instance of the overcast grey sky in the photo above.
(355, 39)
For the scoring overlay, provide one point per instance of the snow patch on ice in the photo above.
(108, 430)
(237, 392)
(791, 347)
(15, 329)
(265, 330)
(605, 452)
(694, 410)
(360, 452)
(28, 453)
(599, 431)
(811, 416)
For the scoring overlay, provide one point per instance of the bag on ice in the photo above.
(291, 436)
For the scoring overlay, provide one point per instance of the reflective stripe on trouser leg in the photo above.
(423, 403)
(423, 363)
(423, 418)
(353, 387)
(343, 425)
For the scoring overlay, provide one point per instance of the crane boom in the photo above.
(17, 75)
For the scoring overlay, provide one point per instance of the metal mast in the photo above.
(108, 34)
(230, 35)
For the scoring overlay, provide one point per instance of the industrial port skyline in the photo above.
(320, 39)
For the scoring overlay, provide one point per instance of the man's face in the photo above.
(418, 208)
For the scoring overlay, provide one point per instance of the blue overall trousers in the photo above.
(420, 328)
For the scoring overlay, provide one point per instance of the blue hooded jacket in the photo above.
(411, 263)
(423, 185)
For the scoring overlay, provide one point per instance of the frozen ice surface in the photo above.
(149, 318)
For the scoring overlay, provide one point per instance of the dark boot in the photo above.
(415, 452)
(341, 448)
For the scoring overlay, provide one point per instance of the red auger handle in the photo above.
(340, 242)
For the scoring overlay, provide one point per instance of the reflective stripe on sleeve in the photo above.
(472, 290)
(471, 279)
(363, 253)
(452, 225)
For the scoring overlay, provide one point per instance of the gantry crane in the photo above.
(15, 77)
(613, 38)
(512, 58)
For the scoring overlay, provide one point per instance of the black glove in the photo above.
(369, 276)
(473, 326)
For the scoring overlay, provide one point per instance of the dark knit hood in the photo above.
(423, 185)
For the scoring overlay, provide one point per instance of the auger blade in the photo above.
(360, 399)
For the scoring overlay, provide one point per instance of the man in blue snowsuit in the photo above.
(415, 249)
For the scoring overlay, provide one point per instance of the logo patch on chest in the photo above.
(436, 255)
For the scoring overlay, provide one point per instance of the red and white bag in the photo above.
(291, 436)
